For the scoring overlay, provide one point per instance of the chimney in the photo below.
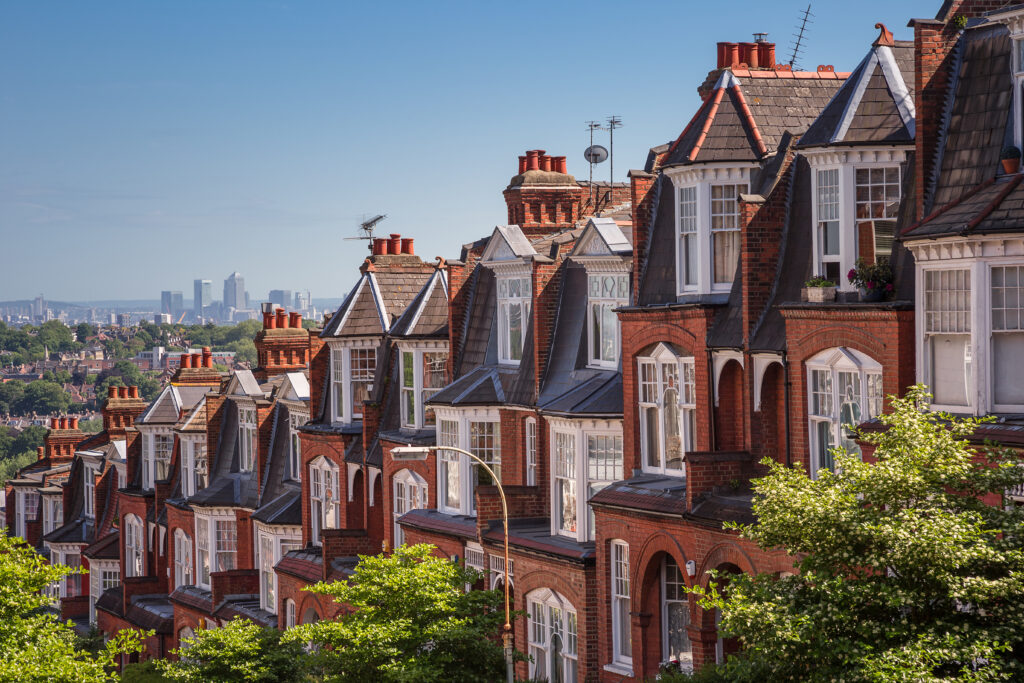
(407, 246)
(40, 452)
(382, 246)
(733, 54)
(207, 357)
(122, 392)
(748, 54)
(560, 165)
(522, 165)
(62, 423)
(197, 360)
(186, 361)
(282, 322)
(112, 391)
(54, 423)
(133, 392)
(723, 55)
(545, 163)
(295, 319)
(766, 54)
(395, 243)
(532, 162)
(267, 318)
(73, 423)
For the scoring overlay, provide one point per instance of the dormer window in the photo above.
(605, 293)
(829, 248)
(324, 509)
(295, 420)
(89, 491)
(424, 372)
(725, 231)
(513, 314)
(156, 461)
(194, 471)
(246, 439)
(352, 371)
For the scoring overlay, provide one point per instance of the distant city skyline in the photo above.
(175, 134)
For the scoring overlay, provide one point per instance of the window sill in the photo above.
(619, 668)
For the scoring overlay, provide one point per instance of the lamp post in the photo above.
(420, 453)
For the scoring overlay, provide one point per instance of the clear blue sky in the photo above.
(145, 144)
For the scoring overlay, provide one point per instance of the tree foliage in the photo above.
(239, 651)
(126, 374)
(411, 620)
(905, 572)
(34, 644)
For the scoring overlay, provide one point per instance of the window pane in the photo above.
(673, 444)
(652, 444)
(950, 368)
(726, 248)
(515, 331)
(1008, 368)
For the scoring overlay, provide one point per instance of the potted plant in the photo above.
(1010, 159)
(819, 290)
(873, 279)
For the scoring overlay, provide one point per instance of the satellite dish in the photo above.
(595, 154)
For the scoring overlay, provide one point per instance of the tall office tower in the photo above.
(281, 297)
(38, 307)
(202, 296)
(302, 300)
(234, 291)
(171, 303)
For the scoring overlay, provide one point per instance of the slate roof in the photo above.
(246, 607)
(167, 407)
(745, 115)
(427, 315)
(977, 121)
(875, 105)
(995, 206)
(651, 492)
(228, 486)
(376, 302)
(484, 385)
(304, 563)
(535, 534)
(433, 520)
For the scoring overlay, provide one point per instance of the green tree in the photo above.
(114, 348)
(905, 572)
(245, 351)
(91, 426)
(238, 651)
(10, 393)
(56, 336)
(29, 440)
(83, 331)
(34, 644)
(43, 398)
(412, 620)
(126, 374)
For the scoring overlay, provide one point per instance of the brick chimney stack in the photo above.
(542, 197)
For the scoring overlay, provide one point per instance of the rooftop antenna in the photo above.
(798, 43)
(592, 156)
(613, 123)
(367, 229)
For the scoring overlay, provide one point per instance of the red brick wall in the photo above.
(642, 185)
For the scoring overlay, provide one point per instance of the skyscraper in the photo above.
(234, 291)
(171, 303)
(281, 297)
(202, 293)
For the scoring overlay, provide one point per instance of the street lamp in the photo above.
(421, 453)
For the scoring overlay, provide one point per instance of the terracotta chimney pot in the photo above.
(734, 54)
(41, 452)
(522, 165)
(748, 54)
(62, 423)
(266, 320)
(766, 55)
(294, 319)
(122, 392)
(207, 357)
(407, 246)
(73, 423)
(54, 423)
(133, 392)
(723, 55)
(197, 360)
(186, 361)
(532, 161)
(111, 392)
(561, 166)
(395, 243)
(282, 321)
(545, 163)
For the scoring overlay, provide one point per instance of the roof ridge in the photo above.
(943, 209)
(996, 201)
(712, 112)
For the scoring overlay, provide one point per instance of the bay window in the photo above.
(102, 576)
(845, 389)
(1007, 337)
(605, 293)
(28, 510)
(194, 470)
(552, 629)
(827, 215)
(689, 252)
(216, 544)
(246, 438)
(622, 640)
(272, 544)
(878, 193)
(513, 316)
(53, 513)
(675, 615)
(477, 431)
(156, 460)
(324, 494)
(227, 544)
(410, 493)
(667, 409)
(423, 374)
(352, 371)
(203, 551)
(586, 457)
(134, 546)
(183, 575)
(725, 232)
(89, 491)
(947, 336)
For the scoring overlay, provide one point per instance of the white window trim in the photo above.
(190, 443)
(417, 350)
(248, 436)
(53, 512)
(530, 440)
(210, 517)
(89, 472)
(615, 302)
(149, 434)
(184, 561)
(296, 419)
(289, 613)
(282, 539)
(663, 354)
(463, 416)
(525, 300)
(330, 504)
(701, 178)
(97, 571)
(135, 549)
(342, 351)
(579, 430)
(546, 599)
(409, 492)
(686, 659)
(835, 361)
(619, 628)
(846, 162)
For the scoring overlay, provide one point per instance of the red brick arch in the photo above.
(544, 578)
(834, 336)
(650, 551)
(662, 332)
(310, 600)
(725, 553)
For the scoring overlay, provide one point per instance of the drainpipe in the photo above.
(711, 401)
(786, 385)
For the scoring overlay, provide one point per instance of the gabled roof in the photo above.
(603, 237)
(480, 386)
(746, 113)
(427, 315)
(875, 104)
(295, 387)
(507, 243)
(243, 383)
(377, 300)
(167, 407)
(997, 205)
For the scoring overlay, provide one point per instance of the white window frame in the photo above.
(209, 546)
(248, 439)
(89, 490)
(134, 546)
(599, 303)
(466, 471)
(728, 217)
(289, 613)
(194, 463)
(505, 303)
(622, 635)
(530, 434)
(295, 420)
(53, 512)
(825, 373)
(409, 492)
(272, 542)
(24, 498)
(184, 570)
(651, 397)
(578, 435)
(103, 574)
(415, 396)
(152, 436)
(344, 376)
(324, 497)
(549, 614)
(1017, 65)
(685, 658)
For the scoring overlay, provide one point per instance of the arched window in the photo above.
(622, 641)
(531, 451)
(667, 409)
(410, 494)
(134, 546)
(844, 389)
(185, 635)
(675, 615)
(323, 496)
(310, 616)
(552, 633)
(289, 613)
(182, 559)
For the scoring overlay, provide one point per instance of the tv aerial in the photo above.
(596, 154)
(366, 227)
